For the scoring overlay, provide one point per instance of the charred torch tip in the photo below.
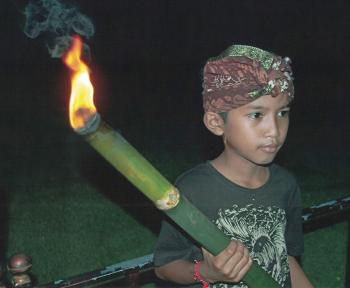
(91, 125)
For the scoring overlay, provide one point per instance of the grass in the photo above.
(67, 226)
(325, 256)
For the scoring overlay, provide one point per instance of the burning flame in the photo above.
(81, 105)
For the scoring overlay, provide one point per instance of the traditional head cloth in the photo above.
(241, 74)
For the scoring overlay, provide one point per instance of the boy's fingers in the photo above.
(240, 264)
(234, 262)
(237, 264)
(243, 271)
(233, 246)
(230, 250)
(224, 256)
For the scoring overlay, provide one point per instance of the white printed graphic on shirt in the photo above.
(261, 230)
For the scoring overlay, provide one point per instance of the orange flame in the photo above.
(81, 105)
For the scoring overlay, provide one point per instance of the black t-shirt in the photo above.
(267, 220)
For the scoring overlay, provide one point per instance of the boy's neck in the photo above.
(243, 173)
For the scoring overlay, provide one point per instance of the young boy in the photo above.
(247, 94)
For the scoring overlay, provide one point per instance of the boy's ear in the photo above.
(214, 123)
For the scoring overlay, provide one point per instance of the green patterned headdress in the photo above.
(243, 73)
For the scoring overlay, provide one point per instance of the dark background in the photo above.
(148, 54)
(146, 60)
(147, 57)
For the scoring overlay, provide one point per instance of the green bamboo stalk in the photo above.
(128, 161)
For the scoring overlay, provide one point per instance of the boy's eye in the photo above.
(255, 115)
(283, 113)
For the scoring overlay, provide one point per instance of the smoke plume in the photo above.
(58, 22)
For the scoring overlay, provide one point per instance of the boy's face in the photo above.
(256, 131)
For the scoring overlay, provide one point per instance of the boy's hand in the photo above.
(229, 266)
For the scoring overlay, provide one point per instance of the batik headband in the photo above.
(241, 74)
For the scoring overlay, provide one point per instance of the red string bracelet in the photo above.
(198, 276)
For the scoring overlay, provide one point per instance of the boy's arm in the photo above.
(229, 266)
(298, 277)
(178, 271)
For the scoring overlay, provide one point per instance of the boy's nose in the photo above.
(272, 128)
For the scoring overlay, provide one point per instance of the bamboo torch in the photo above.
(117, 151)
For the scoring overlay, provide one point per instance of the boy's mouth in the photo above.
(270, 148)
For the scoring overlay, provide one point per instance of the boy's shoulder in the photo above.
(199, 178)
(280, 173)
(195, 173)
(198, 182)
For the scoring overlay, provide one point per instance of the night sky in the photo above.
(146, 61)
(152, 52)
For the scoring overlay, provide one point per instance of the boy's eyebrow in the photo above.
(252, 106)
(259, 107)
(286, 106)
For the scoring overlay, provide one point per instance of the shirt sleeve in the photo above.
(294, 231)
(174, 244)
